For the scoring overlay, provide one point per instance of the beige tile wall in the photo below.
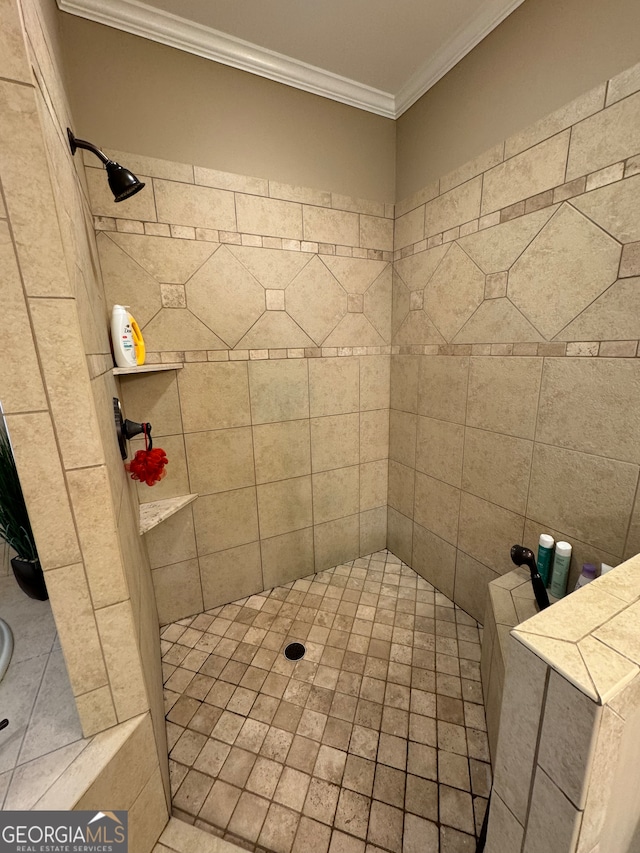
(278, 302)
(510, 600)
(57, 395)
(514, 377)
(289, 459)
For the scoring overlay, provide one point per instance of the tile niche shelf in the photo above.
(146, 368)
(154, 513)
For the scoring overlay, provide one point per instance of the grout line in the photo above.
(537, 748)
(568, 154)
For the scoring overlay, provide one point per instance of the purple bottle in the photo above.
(587, 575)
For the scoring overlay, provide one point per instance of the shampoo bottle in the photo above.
(545, 554)
(124, 350)
(561, 562)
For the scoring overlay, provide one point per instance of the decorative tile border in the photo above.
(545, 349)
(188, 356)
(210, 235)
(99, 364)
(102, 363)
(578, 186)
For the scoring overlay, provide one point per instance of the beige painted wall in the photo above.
(131, 94)
(543, 55)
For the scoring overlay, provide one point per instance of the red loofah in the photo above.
(147, 465)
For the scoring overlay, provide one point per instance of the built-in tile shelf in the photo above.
(145, 368)
(154, 513)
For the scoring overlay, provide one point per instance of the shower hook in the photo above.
(126, 429)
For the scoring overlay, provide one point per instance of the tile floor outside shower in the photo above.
(374, 741)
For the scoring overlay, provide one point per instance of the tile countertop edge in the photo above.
(624, 579)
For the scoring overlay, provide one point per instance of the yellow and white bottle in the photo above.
(128, 344)
(138, 342)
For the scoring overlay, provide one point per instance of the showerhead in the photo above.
(123, 183)
(522, 556)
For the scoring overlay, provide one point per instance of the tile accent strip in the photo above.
(210, 235)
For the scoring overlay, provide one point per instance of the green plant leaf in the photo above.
(15, 527)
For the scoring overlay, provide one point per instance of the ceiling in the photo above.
(378, 55)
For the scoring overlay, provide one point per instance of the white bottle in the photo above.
(124, 350)
(560, 574)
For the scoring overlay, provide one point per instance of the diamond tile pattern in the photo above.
(228, 289)
(375, 737)
(568, 265)
(316, 300)
(227, 309)
(454, 292)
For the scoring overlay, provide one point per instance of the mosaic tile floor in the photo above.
(375, 741)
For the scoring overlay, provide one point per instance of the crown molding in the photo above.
(464, 40)
(137, 18)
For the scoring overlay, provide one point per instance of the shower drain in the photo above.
(294, 651)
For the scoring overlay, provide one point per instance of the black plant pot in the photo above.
(30, 578)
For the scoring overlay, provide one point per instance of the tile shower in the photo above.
(332, 336)
(465, 469)
(377, 735)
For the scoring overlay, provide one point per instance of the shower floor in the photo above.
(374, 741)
